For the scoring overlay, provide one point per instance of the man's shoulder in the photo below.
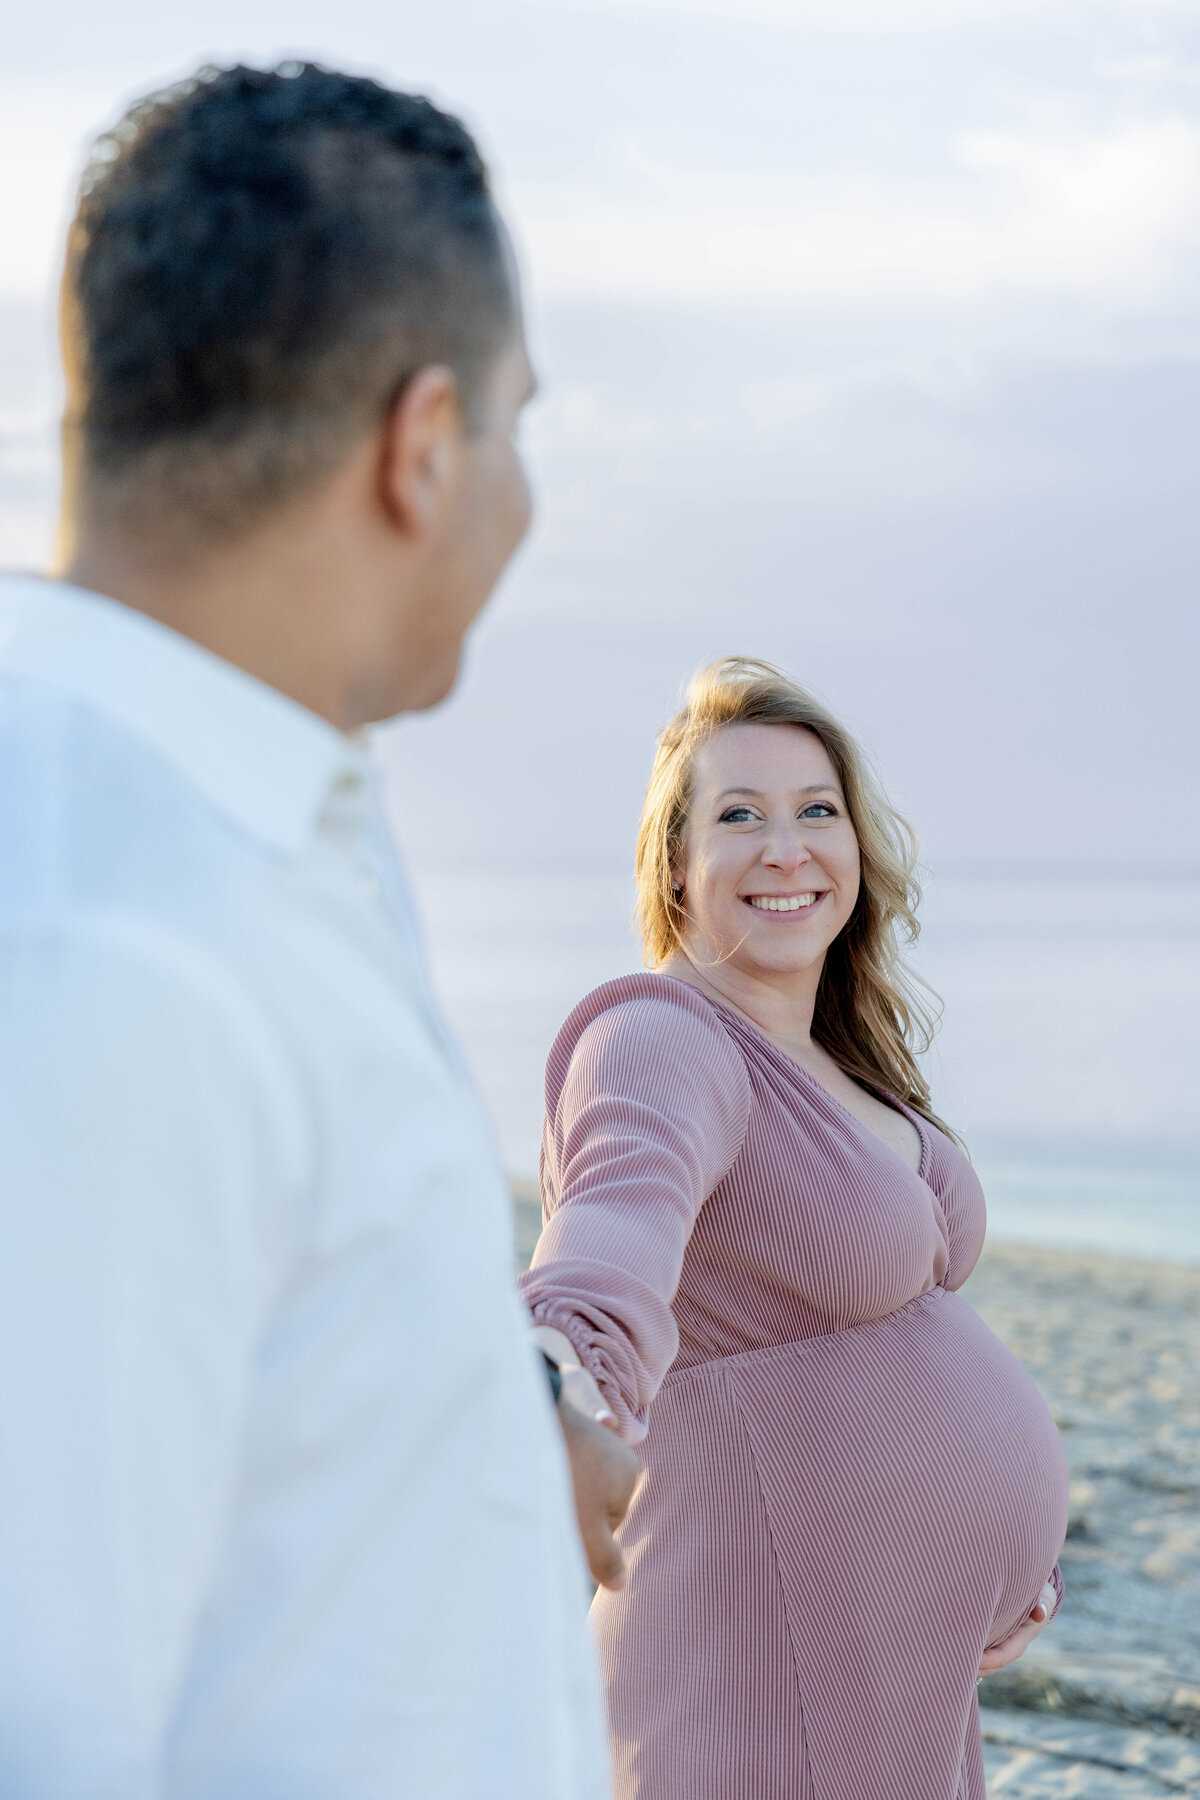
(92, 815)
(114, 868)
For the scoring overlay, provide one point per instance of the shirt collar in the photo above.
(264, 759)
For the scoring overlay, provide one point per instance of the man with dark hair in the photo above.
(284, 1510)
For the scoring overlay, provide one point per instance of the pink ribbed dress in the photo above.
(852, 1488)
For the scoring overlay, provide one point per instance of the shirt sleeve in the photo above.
(650, 1117)
(149, 1169)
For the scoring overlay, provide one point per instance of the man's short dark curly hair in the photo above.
(259, 260)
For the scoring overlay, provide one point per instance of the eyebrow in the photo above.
(817, 787)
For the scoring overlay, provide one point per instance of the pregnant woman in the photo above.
(755, 1227)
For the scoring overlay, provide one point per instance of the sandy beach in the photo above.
(1107, 1703)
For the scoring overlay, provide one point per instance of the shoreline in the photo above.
(1107, 1702)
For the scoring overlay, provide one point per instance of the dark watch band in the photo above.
(553, 1376)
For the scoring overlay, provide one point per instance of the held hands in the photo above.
(604, 1473)
(998, 1656)
(604, 1470)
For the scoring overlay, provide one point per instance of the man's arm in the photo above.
(140, 1191)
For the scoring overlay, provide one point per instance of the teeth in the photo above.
(788, 903)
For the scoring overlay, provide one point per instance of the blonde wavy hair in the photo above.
(869, 1013)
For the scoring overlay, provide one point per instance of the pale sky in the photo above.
(870, 341)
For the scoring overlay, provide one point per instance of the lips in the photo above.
(782, 903)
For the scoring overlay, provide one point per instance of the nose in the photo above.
(786, 850)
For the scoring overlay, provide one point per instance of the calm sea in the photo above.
(1069, 1054)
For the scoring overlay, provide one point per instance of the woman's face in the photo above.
(769, 864)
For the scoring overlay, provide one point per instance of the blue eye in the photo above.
(820, 809)
(735, 815)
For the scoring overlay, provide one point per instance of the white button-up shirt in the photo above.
(283, 1510)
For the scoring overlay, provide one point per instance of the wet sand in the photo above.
(1106, 1705)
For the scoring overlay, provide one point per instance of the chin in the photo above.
(787, 960)
(443, 685)
(435, 683)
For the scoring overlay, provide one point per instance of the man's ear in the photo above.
(420, 450)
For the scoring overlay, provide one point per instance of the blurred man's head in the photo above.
(279, 286)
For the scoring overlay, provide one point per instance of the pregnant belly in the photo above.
(907, 1469)
(860, 1514)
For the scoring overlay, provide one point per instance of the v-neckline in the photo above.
(806, 1075)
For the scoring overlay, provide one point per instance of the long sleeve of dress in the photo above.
(1060, 1592)
(647, 1107)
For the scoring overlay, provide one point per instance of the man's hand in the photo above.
(604, 1472)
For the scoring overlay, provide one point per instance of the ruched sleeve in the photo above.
(647, 1108)
(1056, 1581)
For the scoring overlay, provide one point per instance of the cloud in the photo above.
(1102, 217)
(890, 17)
(45, 126)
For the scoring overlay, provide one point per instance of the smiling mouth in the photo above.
(782, 903)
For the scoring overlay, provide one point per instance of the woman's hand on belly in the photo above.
(998, 1656)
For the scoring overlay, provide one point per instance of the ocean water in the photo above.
(1068, 1055)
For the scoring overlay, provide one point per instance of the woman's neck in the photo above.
(781, 1005)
